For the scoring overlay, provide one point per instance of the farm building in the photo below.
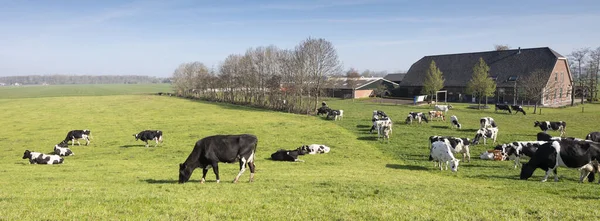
(395, 77)
(506, 68)
(356, 87)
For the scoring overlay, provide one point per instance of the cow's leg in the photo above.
(242, 169)
(215, 166)
(584, 173)
(204, 171)
(156, 140)
(517, 162)
(146, 143)
(253, 167)
(555, 175)
(546, 176)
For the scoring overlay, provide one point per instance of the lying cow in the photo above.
(443, 108)
(454, 121)
(315, 148)
(565, 153)
(441, 153)
(437, 115)
(552, 125)
(593, 136)
(209, 151)
(286, 155)
(62, 150)
(486, 133)
(503, 107)
(75, 135)
(148, 135)
(40, 158)
(515, 150)
(486, 122)
(457, 144)
(517, 109)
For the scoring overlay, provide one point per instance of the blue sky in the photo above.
(153, 37)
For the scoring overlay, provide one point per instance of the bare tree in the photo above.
(579, 57)
(501, 47)
(535, 87)
(594, 69)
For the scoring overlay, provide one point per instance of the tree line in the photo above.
(291, 80)
(585, 66)
(81, 79)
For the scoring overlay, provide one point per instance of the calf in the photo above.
(457, 144)
(209, 151)
(437, 114)
(335, 114)
(503, 107)
(517, 109)
(441, 153)
(315, 148)
(515, 150)
(554, 125)
(592, 167)
(384, 128)
(75, 135)
(147, 135)
(593, 136)
(454, 121)
(40, 158)
(62, 150)
(485, 133)
(486, 122)
(565, 153)
(443, 108)
(286, 155)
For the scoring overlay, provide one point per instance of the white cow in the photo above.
(62, 151)
(443, 108)
(442, 153)
(384, 128)
(340, 115)
(454, 121)
(485, 133)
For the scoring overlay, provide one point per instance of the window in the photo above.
(555, 93)
(556, 76)
(560, 94)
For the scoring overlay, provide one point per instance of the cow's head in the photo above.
(62, 144)
(449, 106)
(526, 171)
(454, 165)
(301, 150)
(185, 172)
(536, 124)
(480, 133)
(27, 154)
(136, 137)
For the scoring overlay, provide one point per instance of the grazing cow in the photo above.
(384, 128)
(541, 136)
(40, 158)
(379, 113)
(458, 145)
(315, 148)
(554, 125)
(75, 135)
(379, 124)
(503, 107)
(62, 150)
(418, 116)
(147, 135)
(443, 108)
(323, 110)
(454, 121)
(486, 122)
(441, 153)
(517, 109)
(437, 114)
(485, 133)
(375, 120)
(286, 155)
(515, 150)
(565, 153)
(593, 136)
(211, 150)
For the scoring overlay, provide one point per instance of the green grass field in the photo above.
(37, 91)
(117, 178)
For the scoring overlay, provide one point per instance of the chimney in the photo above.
(519, 52)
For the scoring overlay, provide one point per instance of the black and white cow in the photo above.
(211, 150)
(441, 153)
(286, 155)
(61, 149)
(454, 121)
(552, 125)
(335, 114)
(593, 136)
(486, 122)
(486, 133)
(503, 107)
(457, 144)
(148, 135)
(75, 135)
(565, 153)
(380, 114)
(517, 109)
(323, 110)
(315, 148)
(417, 116)
(40, 158)
(515, 150)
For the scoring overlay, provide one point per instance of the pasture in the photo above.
(116, 177)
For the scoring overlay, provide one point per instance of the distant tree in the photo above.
(535, 86)
(434, 81)
(352, 77)
(367, 73)
(501, 47)
(579, 57)
(594, 66)
(481, 85)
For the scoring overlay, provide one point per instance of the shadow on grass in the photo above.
(364, 126)
(465, 164)
(469, 130)
(586, 197)
(405, 167)
(441, 127)
(153, 181)
(135, 145)
(372, 138)
(483, 176)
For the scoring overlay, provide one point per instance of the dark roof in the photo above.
(342, 82)
(395, 77)
(457, 69)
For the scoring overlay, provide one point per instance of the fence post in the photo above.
(540, 111)
(582, 109)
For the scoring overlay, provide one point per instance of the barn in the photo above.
(506, 68)
(343, 87)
